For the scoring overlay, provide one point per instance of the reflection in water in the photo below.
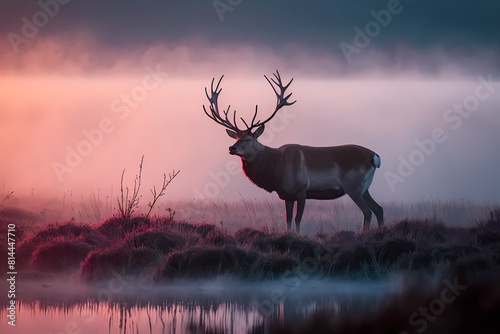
(201, 307)
(125, 317)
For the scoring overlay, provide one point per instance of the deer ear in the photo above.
(232, 134)
(259, 131)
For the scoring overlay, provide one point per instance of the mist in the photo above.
(77, 109)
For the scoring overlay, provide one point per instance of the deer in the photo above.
(297, 172)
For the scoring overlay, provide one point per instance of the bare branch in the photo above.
(126, 205)
(7, 197)
(163, 188)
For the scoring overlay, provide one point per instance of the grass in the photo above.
(165, 249)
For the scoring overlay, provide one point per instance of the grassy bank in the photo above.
(163, 249)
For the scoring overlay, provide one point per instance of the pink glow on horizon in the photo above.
(51, 94)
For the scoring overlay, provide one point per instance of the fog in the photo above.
(78, 108)
(125, 303)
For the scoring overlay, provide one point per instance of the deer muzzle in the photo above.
(233, 150)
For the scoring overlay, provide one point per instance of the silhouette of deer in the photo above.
(297, 172)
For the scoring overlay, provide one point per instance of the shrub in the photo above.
(68, 231)
(249, 235)
(420, 260)
(488, 238)
(203, 229)
(60, 255)
(118, 227)
(217, 237)
(155, 240)
(123, 260)
(276, 265)
(390, 251)
(297, 245)
(351, 261)
(202, 262)
(343, 237)
(420, 231)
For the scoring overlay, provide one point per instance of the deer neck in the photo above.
(261, 167)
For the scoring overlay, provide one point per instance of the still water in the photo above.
(208, 306)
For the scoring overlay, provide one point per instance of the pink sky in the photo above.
(53, 94)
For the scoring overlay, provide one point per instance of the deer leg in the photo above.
(289, 213)
(357, 197)
(377, 209)
(301, 203)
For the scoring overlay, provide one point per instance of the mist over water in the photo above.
(125, 304)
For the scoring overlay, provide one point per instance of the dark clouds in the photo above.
(463, 30)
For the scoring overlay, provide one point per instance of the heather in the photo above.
(163, 249)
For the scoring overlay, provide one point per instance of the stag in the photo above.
(297, 172)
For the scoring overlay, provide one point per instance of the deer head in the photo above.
(246, 140)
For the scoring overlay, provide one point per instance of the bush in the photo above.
(249, 235)
(155, 240)
(60, 255)
(203, 229)
(276, 265)
(202, 262)
(123, 260)
(52, 233)
(388, 253)
(118, 227)
(420, 231)
(343, 237)
(351, 261)
(291, 243)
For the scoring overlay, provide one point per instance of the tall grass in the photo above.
(167, 249)
(328, 216)
(319, 216)
(94, 209)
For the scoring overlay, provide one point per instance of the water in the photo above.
(209, 306)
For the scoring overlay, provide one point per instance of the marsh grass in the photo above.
(328, 216)
(166, 249)
(94, 209)
(220, 243)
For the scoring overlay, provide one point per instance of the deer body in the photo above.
(292, 169)
(297, 172)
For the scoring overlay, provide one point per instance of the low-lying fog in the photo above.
(126, 303)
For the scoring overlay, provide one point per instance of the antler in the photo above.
(214, 109)
(282, 101)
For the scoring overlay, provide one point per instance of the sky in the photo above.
(89, 87)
